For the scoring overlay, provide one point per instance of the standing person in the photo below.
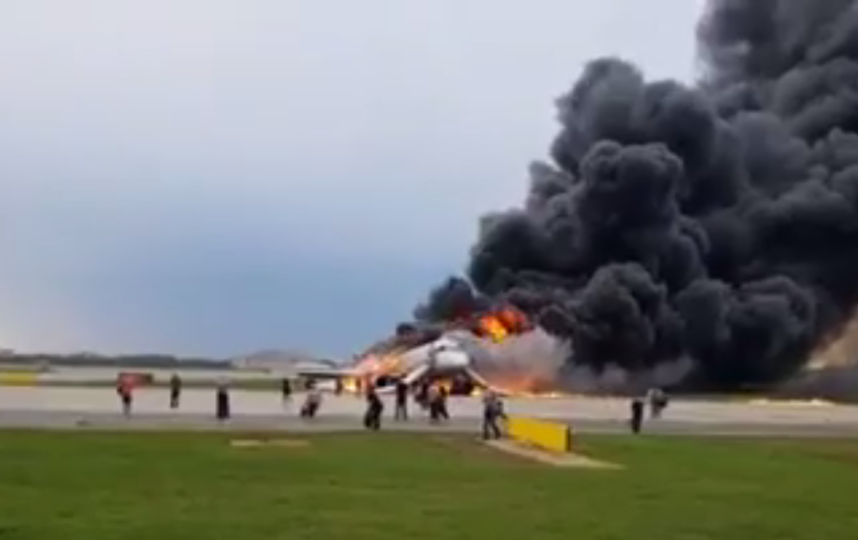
(657, 402)
(125, 389)
(222, 402)
(492, 410)
(442, 403)
(374, 409)
(175, 391)
(312, 403)
(637, 414)
(433, 401)
(422, 396)
(286, 390)
(401, 400)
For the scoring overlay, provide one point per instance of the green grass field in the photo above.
(96, 486)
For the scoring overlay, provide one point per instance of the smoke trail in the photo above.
(838, 352)
(716, 223)
(528, 362)
(832, 371)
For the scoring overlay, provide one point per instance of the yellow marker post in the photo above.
(552, 436)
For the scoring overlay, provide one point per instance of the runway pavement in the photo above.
(94, 408)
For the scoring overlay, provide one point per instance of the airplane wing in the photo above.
(332, 373)
(412, 377)
(409, 379)
(482, 382)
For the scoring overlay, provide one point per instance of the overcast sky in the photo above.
(218, 176)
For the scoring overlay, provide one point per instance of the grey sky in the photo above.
(212, 176)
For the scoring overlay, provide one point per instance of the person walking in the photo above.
(175, 391)
(636, 420)
(125, 389)
(492, 411)
(311, 403)
(374, 409)
(401, 412)
(222, 404)
(422, 397)
(433, 400)
(657, 402)
(443, 394)
(286, 390)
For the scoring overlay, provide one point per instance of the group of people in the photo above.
(431, 398)
(125, 386)
(657, 401)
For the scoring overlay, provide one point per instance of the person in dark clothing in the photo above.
(312, 402)
(422, 396)
(492, 411)
(433, 401)
(125, 389)
(286, 390)
(127, 401)
(442, 403)
(401, 412)
(374, 409)
(338, 387)
(175, 391)
(637, 414)
(222, 402)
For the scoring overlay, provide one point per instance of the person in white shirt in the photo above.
(492, 411)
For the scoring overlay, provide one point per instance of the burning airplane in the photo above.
(468, 355)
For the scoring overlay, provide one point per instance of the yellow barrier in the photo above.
(546, 435)
(18, 378)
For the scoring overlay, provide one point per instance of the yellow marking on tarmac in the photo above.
(260, 443)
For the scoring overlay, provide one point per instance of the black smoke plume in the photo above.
(716, 222)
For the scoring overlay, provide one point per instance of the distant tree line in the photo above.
(152, 361)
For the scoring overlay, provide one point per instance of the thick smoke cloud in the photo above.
(454, 299)
(716, 224)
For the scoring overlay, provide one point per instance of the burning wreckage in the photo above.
(705, 230)
(488, 351)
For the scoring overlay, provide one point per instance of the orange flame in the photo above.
(493, 327)
(501, 324)
(513, 319)
(497, 325)
(372, 367)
